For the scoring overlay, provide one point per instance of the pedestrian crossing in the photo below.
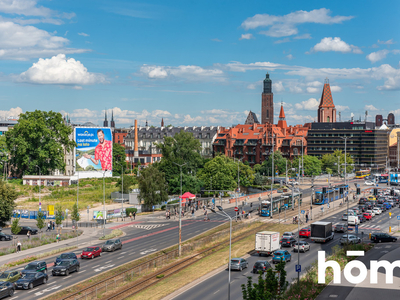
(147, 227)
(361, 226)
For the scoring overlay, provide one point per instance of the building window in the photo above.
(328, 119)
(295, 151)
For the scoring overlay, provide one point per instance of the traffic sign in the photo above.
(356, 227)
(236, 209)
(398, 217)
(298, 268)
(303, 212)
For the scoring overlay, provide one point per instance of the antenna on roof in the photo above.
(340, 116)
(327, 80)
(366, 114)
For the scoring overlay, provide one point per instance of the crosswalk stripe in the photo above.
(148, 227)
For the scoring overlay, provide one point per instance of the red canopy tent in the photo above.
(187, 195)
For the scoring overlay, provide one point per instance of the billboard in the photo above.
(93, 152)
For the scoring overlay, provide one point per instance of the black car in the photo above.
(7, 289)
(65, 267)
(340, 228)
(5, 237)
(362, 208)
(36, 266)
(362, 200)
(25, 229)
(288, 242)
(68, 255)
(369, 205)
(382, 207)
(261, 265)
(361, 218)
(382, 237)
(30, 280)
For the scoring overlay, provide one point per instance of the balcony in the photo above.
(267, 144)
(251, 143)
(251, 153)
(266, 153)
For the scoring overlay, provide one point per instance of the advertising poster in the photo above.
(93, 152)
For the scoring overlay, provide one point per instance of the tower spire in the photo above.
(105, 123)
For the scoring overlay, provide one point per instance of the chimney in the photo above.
(136, 152)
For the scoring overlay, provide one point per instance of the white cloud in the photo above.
(60, 70)
(335, 44)
(246, 36)
(12, 113)
(285, 40)
(24, 7)
(296, 89)
(182, 72)
(341, 107)
(381, 54)
(251, 86)
(310, 104)
(312, 90)
(286, 25)
(216, 40)
(82, 34)
(305, 36)
(335, 88)
(278, 87)
(370, 108)
(388, 42)
(315, 83)
(289, 56)
(25, 42)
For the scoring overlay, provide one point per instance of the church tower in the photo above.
(326, 109)
(267, 102)
(105, 123)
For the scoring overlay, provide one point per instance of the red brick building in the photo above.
(119, 135)
(326, 109)
(254, 142)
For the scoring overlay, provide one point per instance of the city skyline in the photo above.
(197, 63)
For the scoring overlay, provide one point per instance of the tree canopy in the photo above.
(7, 202)
(119, 159)
(312, 165)
(330, 161)
(279, 164)
(39, 139)
(129, 181)
(152, 185)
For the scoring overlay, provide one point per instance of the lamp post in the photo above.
(40, 183)
(104, 204)
(302, 161)
(122, 202)
(273, 173)
(298, 237)
(345, 181)
(230, 246)
(237, 194)
(180, 212)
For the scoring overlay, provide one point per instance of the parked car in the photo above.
(30, 280)
(305, 232)
(7, 289)
(301, 246)
(91, 252)
(261, 265)
(25, 229)
(281, 255)
(65, 267)
(238, 263)
(361, 218)
(382, 237)
(68, 255)
(35, 266)
(352, 239)
(367, 216)
(340, 228)
(5, 237)
(112, 245)
(287, 242)
(10, 276)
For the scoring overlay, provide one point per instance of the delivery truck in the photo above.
(267, 242)
(321, 232)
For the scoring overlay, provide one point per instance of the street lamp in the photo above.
(345, 177)
(230, 245)
(40, 183)
(180, 211)
(273, 173)
(237, 193)
(104, 204)
(122, 202)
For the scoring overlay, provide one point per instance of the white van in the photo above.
(353, 220)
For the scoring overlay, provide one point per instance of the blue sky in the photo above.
(197, 62)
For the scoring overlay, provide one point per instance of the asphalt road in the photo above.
(141, 239)
(216, 287)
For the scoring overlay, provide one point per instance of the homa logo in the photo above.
(374, 266)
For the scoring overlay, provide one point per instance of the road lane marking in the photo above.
(120, 257)
(96, 266)
(123, 252)
(34, 290)
(216, 292)
(131, 253)
(108, 261)
(51, 283)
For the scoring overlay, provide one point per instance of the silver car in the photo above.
(238, 264)
(112, 245)
(352, 239)
(301, 246)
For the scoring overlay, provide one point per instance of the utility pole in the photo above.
(345, 181)
(180, 212)
(302, 161)
(273, 172)
(104, 204)
(286, 179)
(298, 237)
(40, 183)
(312, 195)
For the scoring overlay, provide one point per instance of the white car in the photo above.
(377, 210)
(288, 235)
(352, 239)
(371, 212)
(344, 217)
(369, 182)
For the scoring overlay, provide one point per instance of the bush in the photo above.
(163, 207)
(115, 233)
(130, 210)
(16, 181)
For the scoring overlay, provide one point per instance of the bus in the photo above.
(330, 195)
(381, 178)
(363, 173)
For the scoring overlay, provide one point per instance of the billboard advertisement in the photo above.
(93, 152)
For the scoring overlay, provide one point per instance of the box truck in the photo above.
(321, 232)
(267, 242)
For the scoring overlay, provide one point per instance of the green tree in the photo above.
(15, 228)
(119, 159)
(59, 214)
(271, 287)
(312, 165)
(4, 153)
(152, 185)
(129, 181)
(7, 202)
(190, 184)
(331, 161)
(39, 221)
(75, 215)
(40, 138)
(279, 164)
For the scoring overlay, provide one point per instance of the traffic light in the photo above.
(358, 191)
(324, 190)
(375, 192)
(341, 190)
(391, 192)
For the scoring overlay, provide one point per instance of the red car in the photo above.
(367, 216)
(91, 252)
(305, 232)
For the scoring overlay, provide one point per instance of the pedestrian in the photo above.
(18, 246)
(251, 204)
(28, 234)
(306, 218)
(48, 226)
(205, 215)
(130, 215)
(134, 215)
(54, 225)
(249, 216)
(166, 215)
(192, 212)
(58, 237)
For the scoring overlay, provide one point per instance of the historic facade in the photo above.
(326, 109)
(267, 102)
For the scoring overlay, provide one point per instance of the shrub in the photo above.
(163, 207)
(115, 233)
(130, 210)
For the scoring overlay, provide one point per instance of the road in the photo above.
(141, 238)
(216, 287)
